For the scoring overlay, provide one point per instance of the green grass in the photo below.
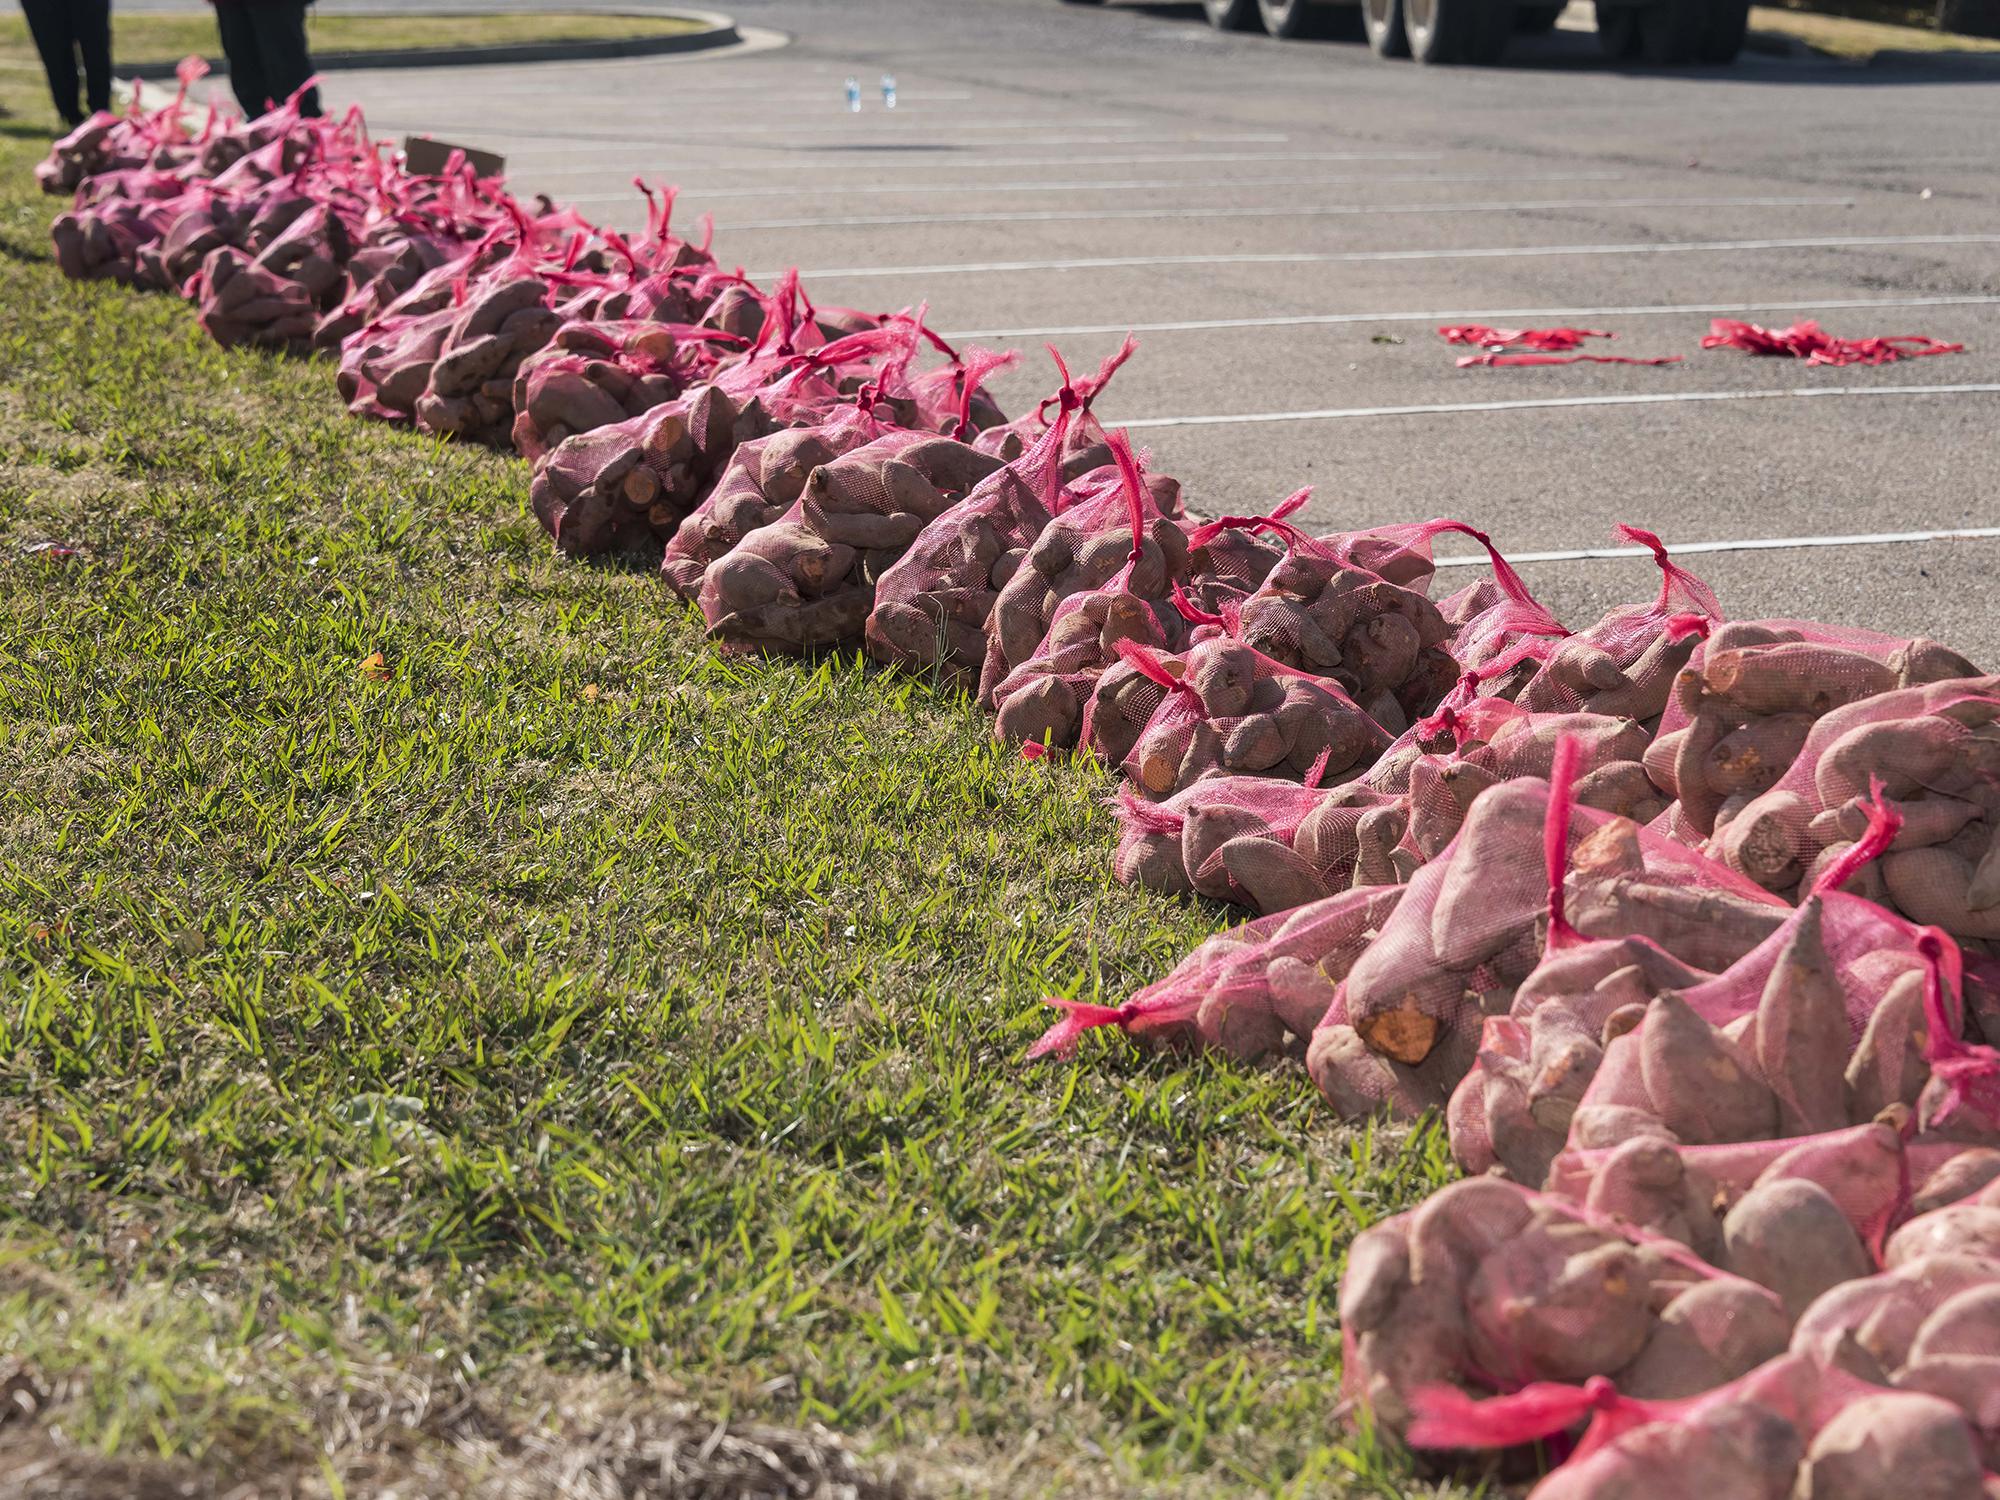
(1859, 38)
(564, 1018)
(167, 37)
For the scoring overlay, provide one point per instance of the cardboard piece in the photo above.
(426, 157)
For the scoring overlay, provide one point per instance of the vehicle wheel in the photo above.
(1618, 31)
(1233, 15)
(1670, 32)
(1295, 20)
(1383, 20)
(1536, 20)
(1722, 38)
(1458, 31)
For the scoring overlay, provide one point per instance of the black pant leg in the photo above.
(49, 24)
(93, 38)
(281, 36)
(237, 26)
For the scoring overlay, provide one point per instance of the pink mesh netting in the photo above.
(932, 605)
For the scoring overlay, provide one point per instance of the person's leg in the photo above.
(93, 37)
(281, 38)
(237, 26)
(49, 25)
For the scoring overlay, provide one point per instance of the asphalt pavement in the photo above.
(1287, 223)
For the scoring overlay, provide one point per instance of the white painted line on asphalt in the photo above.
(583, 143)
(1666, 247)
(1342, 210)
(1478, 314)
(1738, 544)
(1535, 403)
(626, 144)
(874, 190)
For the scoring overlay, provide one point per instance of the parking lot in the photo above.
(1285, 224)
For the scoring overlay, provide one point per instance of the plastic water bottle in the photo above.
(853, 97)
(888, 90)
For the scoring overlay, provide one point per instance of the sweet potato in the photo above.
(1970, 1382)
(1557, 1302)
(1790, 1235)
(1907, 754)
(1934, 886)
(1792, 677)
(1800, 1038)
(1958, 1179)
(1645, 1183)
(1709, 1335)
(1900, 1444)
(1766, 841)
(1752, 758)
(1700, 1084)
(1274, 878)
(1957, 1229)
(1708, 929)
(1503, 830)
(1888, 1065)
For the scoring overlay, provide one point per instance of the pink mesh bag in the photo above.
(1324, 609)
(102, 241)
(807, 580)
(1080, 686)
(1796, 1426)
(1839, 1013)
(1254, 991)
(1741, 709)
(1257, 842)
(1227, 560)
(1088, 543)
(240, 302)
(1936, 749)
(764, 478)
(1477, 918)
(634, 482)
(595, 373)
(1626, 663)
(1225, 708)
(108, 142)
(932, 605)
(1492, 1288)
(1927, 1324)
(1489, 740)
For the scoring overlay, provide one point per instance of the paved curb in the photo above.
(720, 32)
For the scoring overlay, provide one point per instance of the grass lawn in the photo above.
(458, 1029)
(169, 36)
(1846, 36)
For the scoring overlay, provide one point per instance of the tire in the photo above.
(1670, 32)
(1728, 25)
(1458, 31)
(1318, 20)
(1538, 20)
(1618, 32)
(1383, 21)
(1233, 15)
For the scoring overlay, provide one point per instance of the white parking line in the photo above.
(983, 162)
(1738, 544)
(871, 190)
(1534, 403)
(1469, 315)
(1342, 210)
(1667, 247)
(584, 143)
